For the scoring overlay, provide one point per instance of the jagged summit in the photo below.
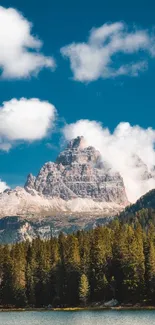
(78, 173)
(78, 142)
(78, 152)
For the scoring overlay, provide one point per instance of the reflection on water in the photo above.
(79, 318)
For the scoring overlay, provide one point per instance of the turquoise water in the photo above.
(78, 318)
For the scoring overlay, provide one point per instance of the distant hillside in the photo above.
(143, 210)
(146, 201)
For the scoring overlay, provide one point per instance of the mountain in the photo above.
(79, 173)
(75, 192)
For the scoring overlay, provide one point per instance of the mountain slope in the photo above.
(22, 203)
(145, 202)
(143, 211)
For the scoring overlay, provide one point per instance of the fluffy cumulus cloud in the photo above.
(19, 50)
(99, 57)
(130, 150)
(25, 120)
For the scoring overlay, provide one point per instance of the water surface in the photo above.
(142, 317)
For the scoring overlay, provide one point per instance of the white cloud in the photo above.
(99, 56)
(3, 186)
(25, 120)
(129, 150)
(20, 54)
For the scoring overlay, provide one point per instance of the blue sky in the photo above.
(108, 100)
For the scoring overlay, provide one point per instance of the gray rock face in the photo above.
(79, 172)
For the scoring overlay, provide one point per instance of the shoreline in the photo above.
(75, 309)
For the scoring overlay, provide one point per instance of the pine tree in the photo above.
(83, 289)
(7, 288)
(150, 263)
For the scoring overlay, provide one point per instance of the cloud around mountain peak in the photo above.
(3, 186)
(128, 149)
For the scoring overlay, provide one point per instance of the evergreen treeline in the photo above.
(115, 261)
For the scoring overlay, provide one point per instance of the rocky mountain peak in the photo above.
(78, 143)
(79, 173)
(30, 180)
(78, 152)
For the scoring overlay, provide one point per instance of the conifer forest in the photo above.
(115, 261)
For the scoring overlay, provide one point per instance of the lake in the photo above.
(142, 317)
